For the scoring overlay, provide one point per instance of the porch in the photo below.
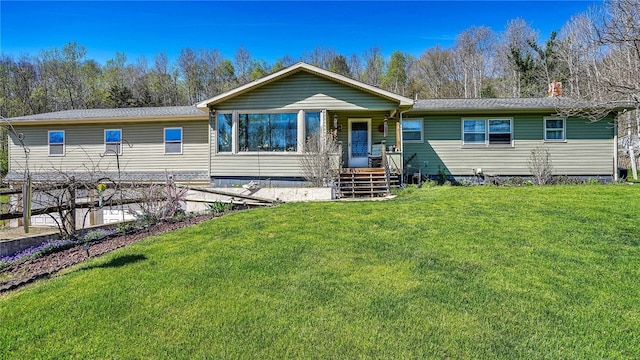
(383, 172)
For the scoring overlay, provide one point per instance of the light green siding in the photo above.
(305, 91)
(256, 165)
(85, 143)
(587, 151)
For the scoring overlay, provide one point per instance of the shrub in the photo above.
(540, 165)
(220, 207)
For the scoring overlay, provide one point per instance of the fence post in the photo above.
(71, 226)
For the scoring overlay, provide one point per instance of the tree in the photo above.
(242, 59)
(433, 75)
(191, 72)
(374, 65)
(63, 69)
(395, 78)
(473, 50)
(514, 58)
(338, 64)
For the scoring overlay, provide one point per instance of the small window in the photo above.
(56, 143)
(173, 140)
(554, 129)
(225, 132)
(113, 142)
(412, 130)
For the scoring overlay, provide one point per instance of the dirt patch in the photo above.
(25, 272)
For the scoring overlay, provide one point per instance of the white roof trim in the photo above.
(403, 101)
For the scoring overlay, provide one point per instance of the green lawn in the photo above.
(444, 272)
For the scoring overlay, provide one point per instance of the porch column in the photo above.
(302, 130)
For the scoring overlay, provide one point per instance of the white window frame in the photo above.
(563, 130)
(510, 132)
(234, 120)
(487, 132)
(236, 124)
(181, 142)
(119, 143)
(64, 140)
(404, 139)
(235, 130)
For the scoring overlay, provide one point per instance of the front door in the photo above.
(359, 142)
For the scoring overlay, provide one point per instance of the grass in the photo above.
(445, 272)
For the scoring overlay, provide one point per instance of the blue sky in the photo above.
(267, 29)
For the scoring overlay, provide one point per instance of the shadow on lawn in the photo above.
(119, 261)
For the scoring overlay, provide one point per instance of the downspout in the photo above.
(213, 135)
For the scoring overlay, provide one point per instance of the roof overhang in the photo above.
(106, 120)
(206, 105)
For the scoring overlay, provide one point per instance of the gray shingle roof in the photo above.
(114, 113)
(521, 104)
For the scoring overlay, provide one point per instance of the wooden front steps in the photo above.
(363, 182)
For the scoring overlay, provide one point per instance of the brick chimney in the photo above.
(555, 88)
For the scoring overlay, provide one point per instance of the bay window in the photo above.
(276, 132)
(268, 132)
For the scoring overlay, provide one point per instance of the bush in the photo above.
(220, 207)
(540, 165)
(565, 180)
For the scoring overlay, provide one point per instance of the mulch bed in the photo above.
(22, 273)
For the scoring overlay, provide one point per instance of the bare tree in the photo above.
(433, 75)
(473, 55)
(374, 65)
(319, 161)
(242, 59)
(540, 165)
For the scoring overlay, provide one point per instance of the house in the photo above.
(258, 131)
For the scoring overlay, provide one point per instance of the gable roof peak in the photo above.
(302, 66)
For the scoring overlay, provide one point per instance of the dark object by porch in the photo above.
(623, 173)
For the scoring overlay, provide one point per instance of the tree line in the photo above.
(596, 55)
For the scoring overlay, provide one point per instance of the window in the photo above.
(173, 140)
(412, 130)
(113, 142)
(225, 132)
(487, 131)
(474, 131)
(268, 132)
(500, 131)
(311, 123)
(56, 143)
(554, 129)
